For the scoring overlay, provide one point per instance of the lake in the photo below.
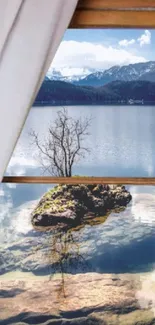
(121, 141)
(100, 273)
(122, 237)
(104, 270)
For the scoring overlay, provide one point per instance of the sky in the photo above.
(85, 50)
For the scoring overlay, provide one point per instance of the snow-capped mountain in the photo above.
(130, 72)
(118, 84)
(87, 77)
(69, 74)
(137, 71)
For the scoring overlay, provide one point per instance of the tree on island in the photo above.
(64, 145)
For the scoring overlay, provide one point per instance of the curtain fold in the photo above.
(30, 33)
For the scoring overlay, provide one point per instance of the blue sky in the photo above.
(83, 50)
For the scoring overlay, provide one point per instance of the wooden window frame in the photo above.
(114, 14)
(103, 14)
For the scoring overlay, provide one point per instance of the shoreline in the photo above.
(47, 104)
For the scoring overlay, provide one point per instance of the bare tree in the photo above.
(64, 144)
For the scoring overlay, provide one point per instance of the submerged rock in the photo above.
(81, 299)
(67, 205)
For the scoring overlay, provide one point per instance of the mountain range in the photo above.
(137, 71)
(114, 85)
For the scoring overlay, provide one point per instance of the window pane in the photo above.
(102, 82)
(100, 270)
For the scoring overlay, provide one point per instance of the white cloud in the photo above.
(2, 192)
(18, 164)
(21, 218)
(73, 56)
(126, 43)
(143, 206)
(145, 38)
(11, 185)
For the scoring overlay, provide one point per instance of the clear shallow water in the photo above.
(122, 141)
(124, 242)
(108, 266)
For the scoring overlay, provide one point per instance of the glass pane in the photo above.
(97, 270)
(103, 80)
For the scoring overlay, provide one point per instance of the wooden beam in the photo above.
(79, 180)
(116, 4)
(112, 19)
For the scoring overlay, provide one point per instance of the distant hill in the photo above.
(53, 92)
(126, 90)
(63, 93)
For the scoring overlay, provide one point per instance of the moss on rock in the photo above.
(66, 205)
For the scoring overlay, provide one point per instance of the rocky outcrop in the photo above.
(67, 205)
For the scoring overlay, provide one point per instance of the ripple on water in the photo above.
(122, 242)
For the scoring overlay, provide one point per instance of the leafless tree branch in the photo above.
(64, 144)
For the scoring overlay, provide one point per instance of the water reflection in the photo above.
(112, 244)
(106, 266)
(64, 256)
(143, 205)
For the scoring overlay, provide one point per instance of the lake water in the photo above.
(103, 273)
(125, 242)
(121, 141)
(106, 268)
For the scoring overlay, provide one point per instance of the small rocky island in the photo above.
(66, 206)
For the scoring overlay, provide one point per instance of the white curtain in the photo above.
(30, 33)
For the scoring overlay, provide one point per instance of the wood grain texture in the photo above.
(79, 180)
(113, 19)
(116, 4)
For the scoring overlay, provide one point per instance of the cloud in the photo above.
(21, 219)
(142, 208)
(11, 185)
(73, 57)
(126, 43)
(18, 164)
(2, 192)
(145, 38)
